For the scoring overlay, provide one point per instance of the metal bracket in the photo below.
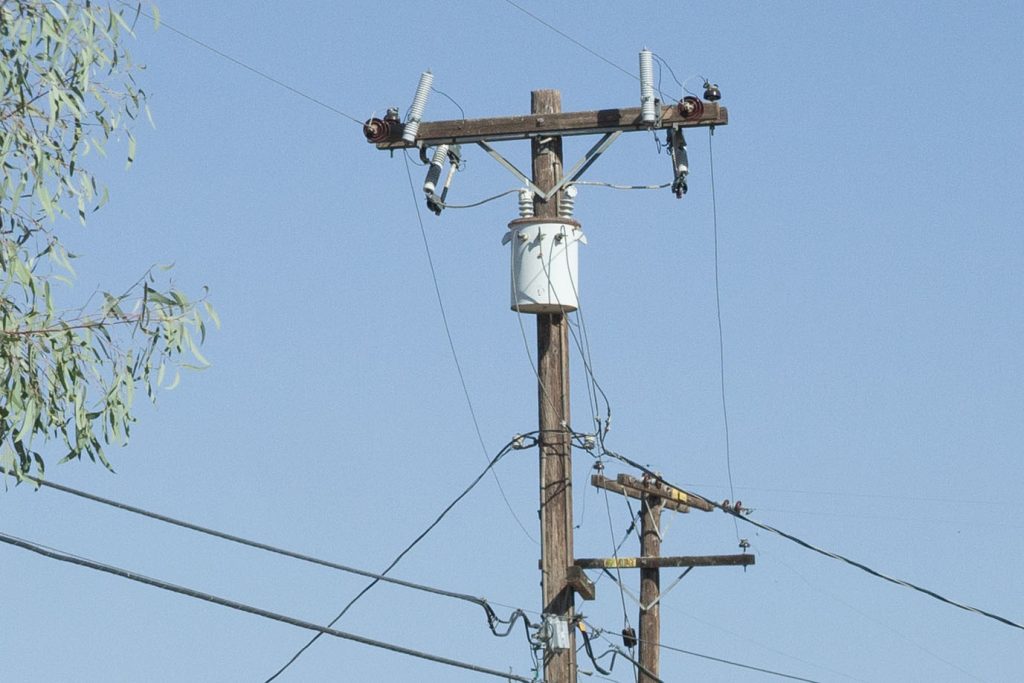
(572, 176)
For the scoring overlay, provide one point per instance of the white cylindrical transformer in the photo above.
(545, 264)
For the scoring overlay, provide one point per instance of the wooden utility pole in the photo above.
(553, 409)
(654, 496)
(650, 589)
(562, 576)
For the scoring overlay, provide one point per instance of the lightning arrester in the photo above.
(419, 102)
(647, 113)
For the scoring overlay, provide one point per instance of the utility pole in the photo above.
(553, 408)
(654, 496)
(544, 229)
(650, 589)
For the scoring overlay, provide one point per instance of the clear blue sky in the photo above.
(871, 260)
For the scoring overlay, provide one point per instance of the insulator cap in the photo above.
(377, 130)
(691, 107)
(711, 92)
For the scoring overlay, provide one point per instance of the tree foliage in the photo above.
(68, 377)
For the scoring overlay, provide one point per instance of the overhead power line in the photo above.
(239, 62)
(492, 617)
(515, 443)
(820, 551)
(242, 607)
(571, 39)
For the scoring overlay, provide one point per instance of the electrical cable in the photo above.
(737, 664)
(616, 186)
(242, 64)
(618, 651)
(446, 205)
(249, 609)
(455, 355)
(814, 548)
(482, 602)
(515, 443)
(571, 39)
(721, 338)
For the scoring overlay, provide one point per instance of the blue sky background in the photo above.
(871, 260)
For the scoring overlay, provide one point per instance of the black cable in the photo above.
(737, 664)
(513, 444)
(492, 617)
(820, 551)
(242, 64)
(571, 39)
(224, 602)
(451, 346)
(721, 338)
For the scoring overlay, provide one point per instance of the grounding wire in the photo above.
(504, 451)
(451, 346)
(821, 551)
(482, 602)
(242, 607)
(721, 342)
(242, 64)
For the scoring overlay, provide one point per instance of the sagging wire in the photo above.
(493, 619)
(517, 443)
(617, 186)
(721, 337)
(741, 513)
(613, 650)
(450, 99)
(242, 607)
(455, 356)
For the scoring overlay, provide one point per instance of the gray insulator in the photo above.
(525, 203)
(567, 203)
(419, 102)
(647, 111)
(434, 172)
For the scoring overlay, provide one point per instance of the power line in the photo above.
(571, 39)
(751, 667)
(516, 443)
(451, 346)
(249, 609)
(721, 338)
(242, 64)
(820, 551)
(264, 546)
